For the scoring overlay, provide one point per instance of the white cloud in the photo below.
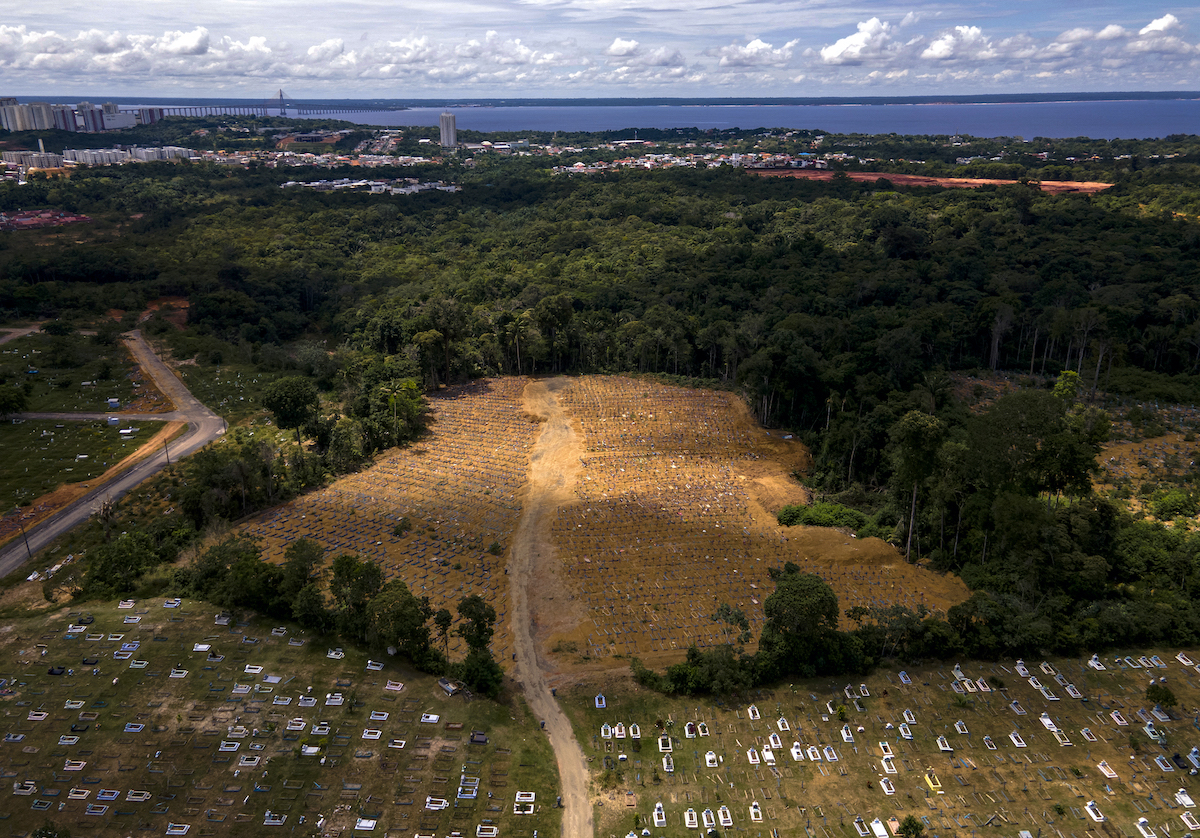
(756, 53)
(586, 47)
(326, 51)
(962, 42)
(870, 41)
(1153, 39)
(621, 47)
(968, 56)
(1164, 24)
(1072, 36)
(102, 43)
(184, 43)
(662, 57)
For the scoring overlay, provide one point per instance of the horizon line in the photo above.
(516, 100)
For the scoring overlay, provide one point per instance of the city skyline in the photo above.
(565, 48)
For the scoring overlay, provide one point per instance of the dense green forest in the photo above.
(837, 308)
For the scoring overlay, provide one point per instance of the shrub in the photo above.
(1161, 695)
(823, 514)
(1174, 504)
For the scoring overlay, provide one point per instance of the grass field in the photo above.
(64, 363)
(1043, 785)
(211, 748)
(36, 456)
(233, 391)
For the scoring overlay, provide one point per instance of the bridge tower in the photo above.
(277, 102)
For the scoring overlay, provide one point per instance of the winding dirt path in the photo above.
(553, 467)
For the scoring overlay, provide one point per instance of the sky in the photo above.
(567, 48)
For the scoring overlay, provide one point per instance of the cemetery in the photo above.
(676, 513)
(826, 759)
(165, 715)
(146, 731)
(430, 513)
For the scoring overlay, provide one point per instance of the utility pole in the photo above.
(21, 524)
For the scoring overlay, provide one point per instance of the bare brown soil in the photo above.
(1123, 461)
(1052, 186)
(674, 513)
(171, 309)
(458, 490)
(662, 508)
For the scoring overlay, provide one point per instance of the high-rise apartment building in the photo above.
(64, 118)
(42, 116)
(449, 130)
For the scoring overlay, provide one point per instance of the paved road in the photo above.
(203, 427)
(553, 464)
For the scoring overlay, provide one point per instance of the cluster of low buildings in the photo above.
(376, 152)
(35, 219)
(704, 160)
(15, 165)
(399, 186)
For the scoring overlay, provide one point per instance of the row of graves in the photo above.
(159, 719)
(1071, 748)
(663, 522)
(437, 514)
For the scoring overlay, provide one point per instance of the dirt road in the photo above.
(20, 333)
(203, 427)
(553, 466)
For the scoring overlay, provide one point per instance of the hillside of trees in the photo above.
(837, 309)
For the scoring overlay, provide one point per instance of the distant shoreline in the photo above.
(373, 104)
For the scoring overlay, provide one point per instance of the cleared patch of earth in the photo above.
(1057, 187)
(669, 510)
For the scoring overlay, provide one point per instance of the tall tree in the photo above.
(478, 621)
(800, 632)
(915, 441)
(352, 585)
(300, 562)
(397, 618)
(734, 625)
(293, 399)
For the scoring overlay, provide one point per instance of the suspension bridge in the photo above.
(278, 105)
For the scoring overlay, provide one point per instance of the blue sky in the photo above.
(465, 48)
